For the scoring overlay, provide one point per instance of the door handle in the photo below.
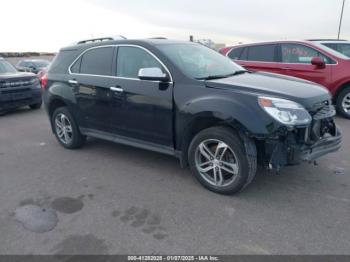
(285, 68)
(116, 89)
(73, 82)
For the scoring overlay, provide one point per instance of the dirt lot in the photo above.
(108, 198)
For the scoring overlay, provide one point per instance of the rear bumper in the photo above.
(19, 97)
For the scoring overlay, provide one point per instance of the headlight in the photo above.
(285, 111)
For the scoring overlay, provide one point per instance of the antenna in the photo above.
(341, 18)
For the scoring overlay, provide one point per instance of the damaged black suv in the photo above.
(185, 100)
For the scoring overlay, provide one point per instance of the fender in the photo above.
(234, 110)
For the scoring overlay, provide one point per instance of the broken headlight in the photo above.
(285, 111)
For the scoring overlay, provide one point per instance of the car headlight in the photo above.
(285, 111)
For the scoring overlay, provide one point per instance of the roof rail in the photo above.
(101, 39)
(326, 40)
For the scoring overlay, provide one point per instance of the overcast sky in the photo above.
(47, 25)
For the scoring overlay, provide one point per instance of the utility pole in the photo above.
(341, 19)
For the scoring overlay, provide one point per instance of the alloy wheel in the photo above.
(346, 103)
(216, 162)
(64, 128)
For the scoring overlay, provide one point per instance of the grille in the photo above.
(13, 83)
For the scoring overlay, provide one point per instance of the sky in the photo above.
(48, 25)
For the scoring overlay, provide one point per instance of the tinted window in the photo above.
(264, 53)
(132, 59)
(76, 66)
(244, 55)
(235, 53)
(295, 53)
(97, 61)
(62, 61)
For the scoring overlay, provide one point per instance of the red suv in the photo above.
(304, 59)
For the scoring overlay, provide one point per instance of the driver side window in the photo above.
(300, 54)
(131, 59)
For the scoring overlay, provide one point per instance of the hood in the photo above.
(301, 91)
(16, 75)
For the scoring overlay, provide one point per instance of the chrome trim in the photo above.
(119, 77)
(73, 82)
(116, 89)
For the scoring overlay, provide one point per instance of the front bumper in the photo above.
(18, 97)
(322, 147)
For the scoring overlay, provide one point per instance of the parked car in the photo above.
(304, 59)
(341, 46)
(32, 65)
(188, 101)
(18, 89)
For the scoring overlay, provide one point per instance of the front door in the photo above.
(296, 61)
(146, 106)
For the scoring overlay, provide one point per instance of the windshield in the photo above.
(344, 49)
(331, 51)
(200, 62)
(6, 67)
(41, 63)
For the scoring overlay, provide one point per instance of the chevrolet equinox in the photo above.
(188, 101)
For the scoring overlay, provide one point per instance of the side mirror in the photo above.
(153, 74)
(318, 62)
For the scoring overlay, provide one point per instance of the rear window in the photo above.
(235, 53)
(97, 61)
(264, 53)
(62, 61)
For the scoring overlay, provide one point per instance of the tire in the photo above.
(343, 103)
(36, 106)
(225, 146)
(66, 129)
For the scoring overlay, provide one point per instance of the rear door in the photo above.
(91, 77)
(258, 57)
(296, 61)
(146, 106)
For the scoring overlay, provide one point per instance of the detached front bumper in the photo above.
(322, 147)
(291, 147)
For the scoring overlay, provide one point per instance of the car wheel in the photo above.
(66, 129)
(36, 106)
(219, 161)
(343, 103)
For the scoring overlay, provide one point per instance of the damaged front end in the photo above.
(292, 145)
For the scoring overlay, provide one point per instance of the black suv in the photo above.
(18, 89)
(185, 100)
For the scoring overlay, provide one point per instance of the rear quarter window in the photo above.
(62, 61)
(235, 53)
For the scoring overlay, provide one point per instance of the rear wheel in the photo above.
(66, 129)
(219, 161)
(343, 103)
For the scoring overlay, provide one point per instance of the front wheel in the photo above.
(219, 161)
(66, 129)
(343, 103)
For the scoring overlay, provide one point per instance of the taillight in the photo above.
(43, 81)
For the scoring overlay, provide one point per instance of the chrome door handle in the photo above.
(73, 82)
(285, 68)
(116, 89)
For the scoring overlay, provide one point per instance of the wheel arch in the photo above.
(340, 89)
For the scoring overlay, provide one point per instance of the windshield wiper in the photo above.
(211, 77)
